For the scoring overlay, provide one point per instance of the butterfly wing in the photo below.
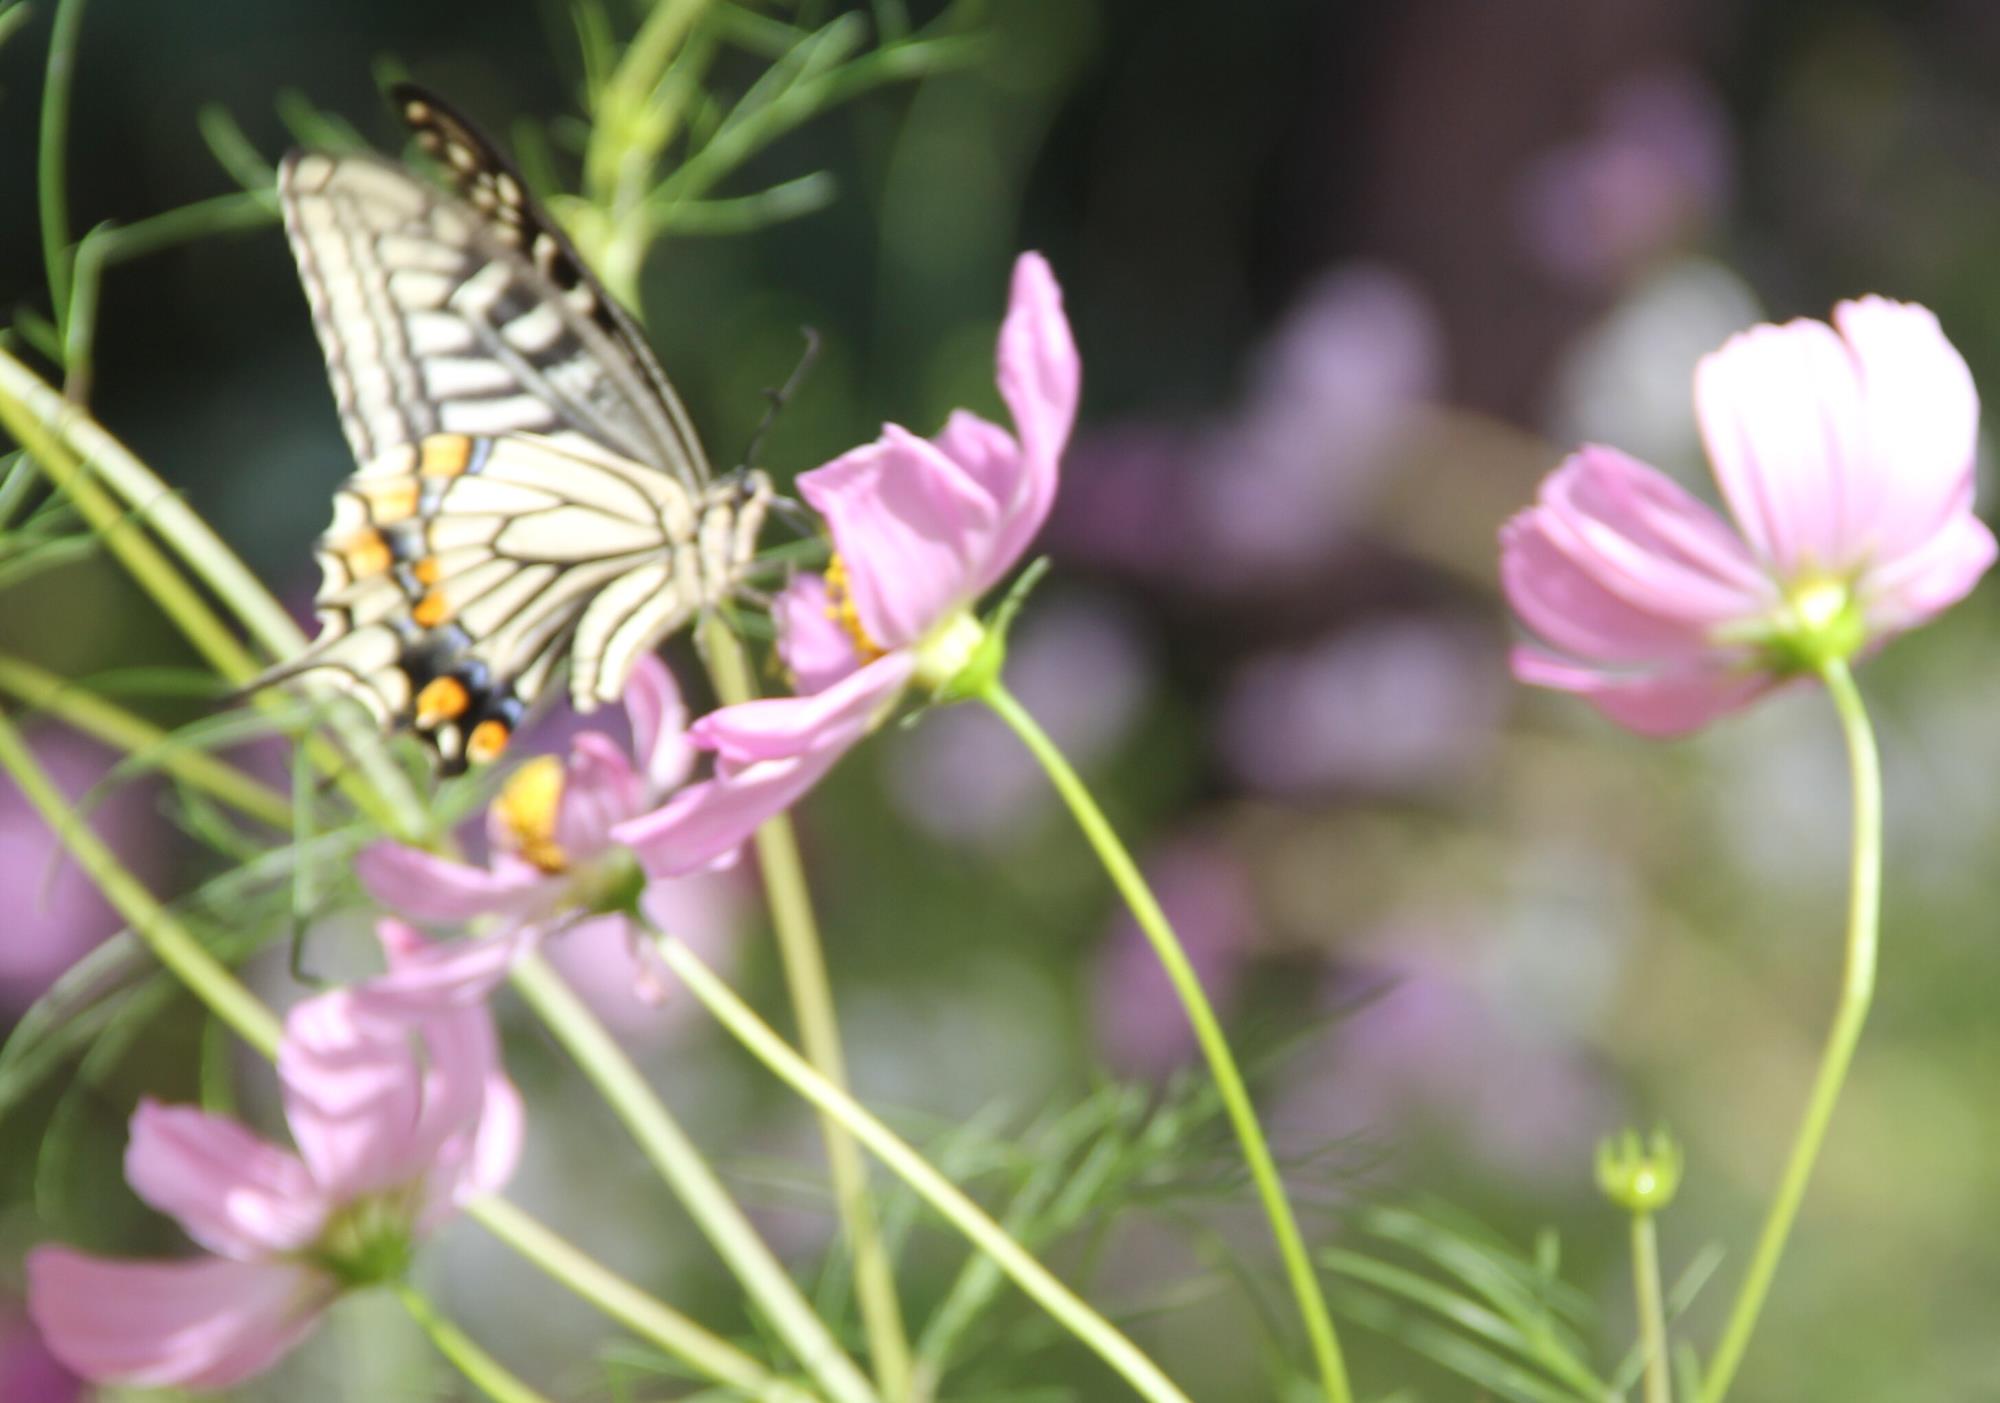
(529, 486)
(461, 570)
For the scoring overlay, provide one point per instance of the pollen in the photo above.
(442, 699)
(527, 807)
(487, 740)
(841, 609)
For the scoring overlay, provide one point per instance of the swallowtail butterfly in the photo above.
(530, 492)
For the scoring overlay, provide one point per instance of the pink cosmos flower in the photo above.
(399, 1111)
(554, 856)
(1845, 454)
(921, 529)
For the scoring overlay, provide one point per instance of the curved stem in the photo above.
(1173, 958)
(1652, 1308)
(803, 956)
(210, 981)
(1857, 989)
(961, 1212)
(663, 1141)
(644, 1315)
(486, 1373)
(114, 725)
(52, 175)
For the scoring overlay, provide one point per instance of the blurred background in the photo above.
(1347, 279)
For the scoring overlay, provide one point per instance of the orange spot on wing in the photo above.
(365, 553)
(432, 610)
(389, 501)
(444, 455)
(426, 570)
(486, 742)
(442, 699)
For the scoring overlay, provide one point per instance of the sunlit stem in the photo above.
(1652, 1308)
(1864, 900)
(224, 995)
(940, 1193)
(673, 1154)
(481, 1369)
(1145, 908)
(176, 946)
(62, 439)
(91, 714)
(642, 1314)
(804, 960)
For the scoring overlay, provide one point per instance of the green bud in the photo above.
(1640, 1177)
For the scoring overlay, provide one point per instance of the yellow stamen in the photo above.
(527, 807)
(840, 608)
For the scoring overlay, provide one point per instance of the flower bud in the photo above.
(1639, 1177)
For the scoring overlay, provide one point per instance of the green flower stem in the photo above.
(961, 1212)
(1173, 958)
(800, 950)
(94, 716)
(211, 982)
(61, 438)
(719, 1360)
(51, 166)
(486, 1373)
(1864, 901)
(1652, 1308)
(168, 939)
(663, 1141)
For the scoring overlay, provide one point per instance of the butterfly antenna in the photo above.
(779, 397)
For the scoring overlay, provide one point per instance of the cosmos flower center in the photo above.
(841, 609)
(368, 1241)
(1819, 621)
(527, 806)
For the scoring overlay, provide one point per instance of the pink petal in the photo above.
(1781, 412)
(232, 1192)
(659, 726)
(816, 650)
(1619, 564)
(427, 977)
(381, 1076)
(204, 1324)
(426, 887)
(1922, 583)
(773, 728)
(1669, 702)
(478, 1161)
(1040, 377)
(1921, 420)
(600, 788)
(704, 825)
(914, 531)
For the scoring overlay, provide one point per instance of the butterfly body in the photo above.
(530, 491)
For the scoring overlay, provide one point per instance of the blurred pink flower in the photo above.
(554, 857)
(1263, 495)
(1847, 461)
(1432, 1047)
(1653, 171)
(1389, 705)
(707, 911)
(399, 1111)
(1141, 1025)
(921, 529)
(56, 915)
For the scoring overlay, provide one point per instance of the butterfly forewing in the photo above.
(530, 492)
